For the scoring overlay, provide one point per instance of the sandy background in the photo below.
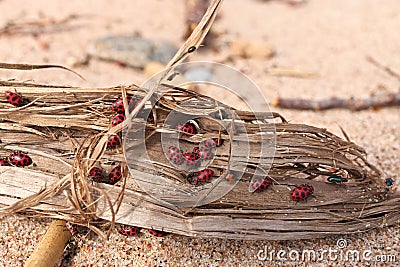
(331, 38)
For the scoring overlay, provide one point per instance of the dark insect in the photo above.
(175, 155)
(337, 179)
(188, 129)
(200, 176)
(19, 159)
(4, 162)
(302, 192)
(389, 181)
(113, 141)
(71, 228)
(129, 230)
(156, 233)
(117, 119)
(115, 175)
(205, 153)
(261, 183)
(191, 49)
(14, 98)
(191, 159)
(96, 174)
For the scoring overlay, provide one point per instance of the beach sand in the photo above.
(329, 38)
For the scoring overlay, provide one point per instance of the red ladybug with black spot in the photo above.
(208, 143)
(188, 128)
(118, 105)
(191, 159)
(129, 230)
(302, 192)
(175, 155)
(261, 183)
(113, 141)
(96, 174)
(200, 176)
(115, 175)
(4, 162)
(19, 159)
(156, 233)
(14, 99)
(205, 153)
(119, 118)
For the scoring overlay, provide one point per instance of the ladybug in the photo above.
(389, 181)
(96, 174)
(209, 143)
(261, 183)
(205, 153)
(113, 141)
(156, 233)
(337, 179)
(71, 228)
(117, 119)
(14, 98)
(4, 162)
(188, 129)
(302, 192)
(129, 231)
(19, 159)
(175, 155)
(115, 175)
(191, 159)
(200, 176)
(118, 105)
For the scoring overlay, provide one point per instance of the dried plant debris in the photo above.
(66, 130)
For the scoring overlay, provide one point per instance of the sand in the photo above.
(330, 38)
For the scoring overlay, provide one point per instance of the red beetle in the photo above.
(119, 118)
(188, 128)
(200, 176)
(4, 162)
(118, 105)
(302, 192)
(113, 141)
(261, 183)
(115, 175)
(96, 174)
(208, 143)
(14, 98)
(19, 159)
(191, 159)
(129, 230)
(156, 233)
(205, 153)
(175, 155)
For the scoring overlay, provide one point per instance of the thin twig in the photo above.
(378, 101)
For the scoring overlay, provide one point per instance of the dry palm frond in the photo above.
(65, 130)
(304, 154)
